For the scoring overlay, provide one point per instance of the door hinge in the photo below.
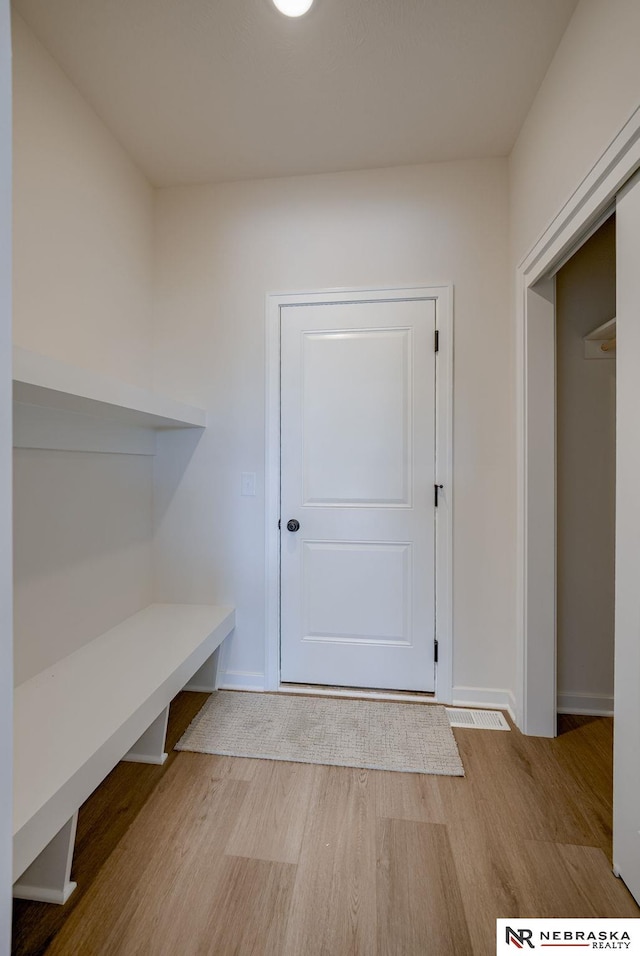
(279, 523)
(435, 651)
(436, 489)
(436, 342)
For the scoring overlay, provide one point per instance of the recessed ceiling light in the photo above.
(293, 8)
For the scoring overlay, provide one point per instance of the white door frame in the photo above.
(6, 589)
(443, 297)
(535, 372)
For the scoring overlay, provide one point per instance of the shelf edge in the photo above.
(42, 380)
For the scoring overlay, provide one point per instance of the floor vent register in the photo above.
(479, 719)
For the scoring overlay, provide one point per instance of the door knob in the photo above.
(293, 524)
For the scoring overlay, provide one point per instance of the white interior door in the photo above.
(626, 759)
(358, 475)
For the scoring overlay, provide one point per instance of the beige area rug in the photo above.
(377, 735)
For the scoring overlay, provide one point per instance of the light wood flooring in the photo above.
(221, 856)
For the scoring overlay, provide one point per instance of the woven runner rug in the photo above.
(377, 735)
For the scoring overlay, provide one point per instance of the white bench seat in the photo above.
(106, 702)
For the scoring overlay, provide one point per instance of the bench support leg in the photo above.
(150, 747)
(48, 879)
(205, 680)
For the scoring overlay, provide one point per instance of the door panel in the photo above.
(358, 467)
(373, 369)
(339, 604)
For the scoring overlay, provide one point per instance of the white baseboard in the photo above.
(462, 696)
(589, 705)
(242, 680)
(485, 697)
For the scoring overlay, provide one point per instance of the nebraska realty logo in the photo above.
(622, 935)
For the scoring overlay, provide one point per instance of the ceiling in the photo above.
(214, 90)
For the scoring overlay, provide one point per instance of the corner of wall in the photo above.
(589, 92)
(83, 223)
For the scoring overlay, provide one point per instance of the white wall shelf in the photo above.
(47, 382)
(600, 343)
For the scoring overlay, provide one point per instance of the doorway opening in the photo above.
(586, 474)
(580, 217)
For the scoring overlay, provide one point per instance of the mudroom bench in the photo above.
(106, 702)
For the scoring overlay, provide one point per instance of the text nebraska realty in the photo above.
(598, 939)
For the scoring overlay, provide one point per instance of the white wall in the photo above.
(83, 275)
(82, 552)
(591, 89)
(220, 249)
(586, 486)
(6, 684)
(83, 227)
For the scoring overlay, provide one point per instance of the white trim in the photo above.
(275, 301)
(485, 697)
(594, 705)
(537, 337)
(626, 768)
(243, 680)
(535, 679)
(444, 522)
(272, 494)
(6, 597)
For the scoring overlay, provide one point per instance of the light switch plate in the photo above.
(248, 483)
